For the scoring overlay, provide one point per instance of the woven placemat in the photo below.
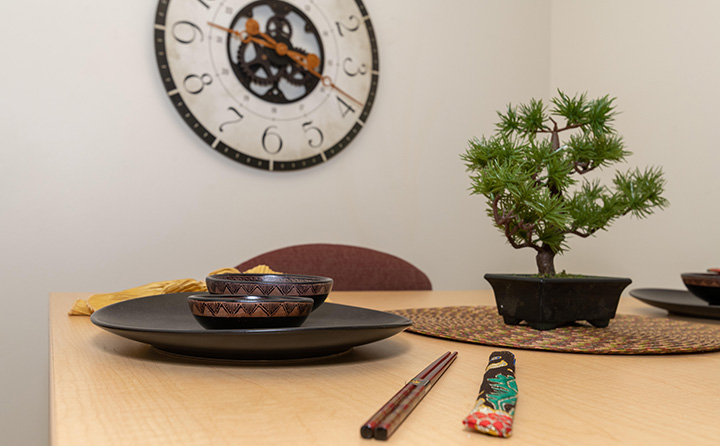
(626, 334)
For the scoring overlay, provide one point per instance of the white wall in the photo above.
(660, 58)
(103, 187)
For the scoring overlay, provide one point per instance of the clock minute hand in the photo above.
(310, 63)
(327, 81)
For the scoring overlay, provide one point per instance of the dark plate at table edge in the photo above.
(243, 344)
(695, 307)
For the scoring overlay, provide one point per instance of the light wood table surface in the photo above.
(108, 390)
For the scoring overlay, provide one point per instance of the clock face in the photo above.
(273, 84)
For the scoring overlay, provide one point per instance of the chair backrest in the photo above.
(352, 268)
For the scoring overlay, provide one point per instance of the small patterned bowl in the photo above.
(233, 311)
(706, 286)
(315, 287)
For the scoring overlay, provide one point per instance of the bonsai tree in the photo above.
(534, 182)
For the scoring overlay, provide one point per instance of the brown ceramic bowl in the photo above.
(315, 287)
(706, 286)
(243, 312)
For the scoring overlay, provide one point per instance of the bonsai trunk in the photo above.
(545, 260)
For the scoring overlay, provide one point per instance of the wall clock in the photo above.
(274, 84)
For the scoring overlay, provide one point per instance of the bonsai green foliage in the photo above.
(534, 183)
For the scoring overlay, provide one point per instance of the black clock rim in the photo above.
(237, 155)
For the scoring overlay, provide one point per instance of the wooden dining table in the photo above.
(109, 390)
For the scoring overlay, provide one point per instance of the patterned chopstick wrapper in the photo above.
(495, 404)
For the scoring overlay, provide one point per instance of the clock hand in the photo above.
(227, 30)
(246, 36)
(253, 28)
(327, 81)
(309, 62)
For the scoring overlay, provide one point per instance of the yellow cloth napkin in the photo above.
(97, 301)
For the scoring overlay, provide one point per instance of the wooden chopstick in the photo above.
(386, 420)
(366, 431)
(397, 416)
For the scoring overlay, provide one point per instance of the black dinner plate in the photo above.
(677, 301)
(165, 322)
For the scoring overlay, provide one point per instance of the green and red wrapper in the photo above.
(495, 404)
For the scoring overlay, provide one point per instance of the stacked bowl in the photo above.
(245, 300)
(706, 286)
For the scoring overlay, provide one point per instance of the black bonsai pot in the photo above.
(545, 303)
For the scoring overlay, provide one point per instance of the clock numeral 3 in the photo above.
(348, 63)
(191, 82)
(307, 128)
(273, 139)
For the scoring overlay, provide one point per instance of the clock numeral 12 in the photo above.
(361, 69)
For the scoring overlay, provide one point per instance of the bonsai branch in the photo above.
(555, 132)
(583, 167)
(506, 221)
(583, 234)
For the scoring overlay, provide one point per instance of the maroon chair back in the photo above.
(352, 268)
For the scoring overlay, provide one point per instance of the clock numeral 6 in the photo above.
(273, 139)
(194, 84)
(307, 128)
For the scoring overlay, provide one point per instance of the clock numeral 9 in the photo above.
(354, 25)
(191, 82)
(273, 138)
(307, 128)
(182, 28)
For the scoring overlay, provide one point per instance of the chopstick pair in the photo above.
(386, 420)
